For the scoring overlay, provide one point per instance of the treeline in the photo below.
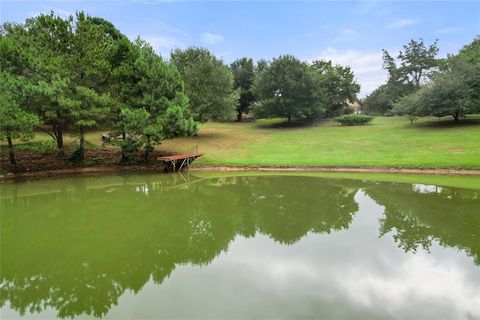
(59, 75)
(420, 84)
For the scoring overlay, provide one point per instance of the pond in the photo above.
(276, 246)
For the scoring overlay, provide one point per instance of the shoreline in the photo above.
(160, 169)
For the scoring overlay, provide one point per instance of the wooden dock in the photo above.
(178, 162)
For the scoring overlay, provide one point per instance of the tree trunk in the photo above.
(147, 149)
(58, 131)
(239, 116)
(289, 118)
(82, 144)
(456, 116)
(124, 157)
(13, 162)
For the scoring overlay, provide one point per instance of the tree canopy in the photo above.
(15, 122)
(335, 85)
(285, 89)
(453, 91)
(288, 87)
(81, 72)
(406, 73)
(244, 74)
(208, 83)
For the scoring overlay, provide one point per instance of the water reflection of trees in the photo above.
(78, 249)
(77, 252)
(418, 215)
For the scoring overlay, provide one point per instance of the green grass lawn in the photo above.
(386, 142)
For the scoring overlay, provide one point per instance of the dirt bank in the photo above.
(159, 168)
(343, 169)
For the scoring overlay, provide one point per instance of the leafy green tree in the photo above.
(466, 65)
(409, 105)
(286, 89)
(15, 122)
(378, 102)
(244, 77)
(134, 124)
(68, 70)
(261, 65)
(142, 130)
(44, 42)
(156, 87)
(82, 72)
(335, 85)
(208, 83)
(452, 91)
(446, 95)
(89, 74)
(416, 63)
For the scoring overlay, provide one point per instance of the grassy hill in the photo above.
(386, 142)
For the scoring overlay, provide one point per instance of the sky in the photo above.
(349, 33)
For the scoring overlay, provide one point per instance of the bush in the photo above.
(353, 119)
(75, 156)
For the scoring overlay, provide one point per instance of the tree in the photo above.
(409, 105)
(68, 68)
(134, 124)
(208, 83)
(452, 91)
(466, 64)
(141, 129)
(89, 74)
(15, 122)
(285, 89)
(44, 43)
(82, 72)
(379, 101)
(334, 86)
(157, 88)
(417, 63)
(244, 77)
(446, 95)
(261, 65)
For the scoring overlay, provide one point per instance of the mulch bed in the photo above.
(109, 157)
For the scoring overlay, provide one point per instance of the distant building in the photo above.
(356, 106)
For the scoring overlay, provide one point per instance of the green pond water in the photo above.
(194, 246)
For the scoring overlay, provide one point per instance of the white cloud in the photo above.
(211, 38)
(401, 23)
(367, 66)
(163, 37)
(163, 44)
(449, 30)
(349, 32)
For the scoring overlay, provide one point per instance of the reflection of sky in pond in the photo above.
(323, 275)
(350, 273)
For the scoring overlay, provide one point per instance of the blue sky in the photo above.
(347, 32)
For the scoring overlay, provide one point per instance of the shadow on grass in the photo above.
(447, 124)
(284, 124)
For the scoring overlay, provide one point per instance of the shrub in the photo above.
(353, 119)
(75, 156)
